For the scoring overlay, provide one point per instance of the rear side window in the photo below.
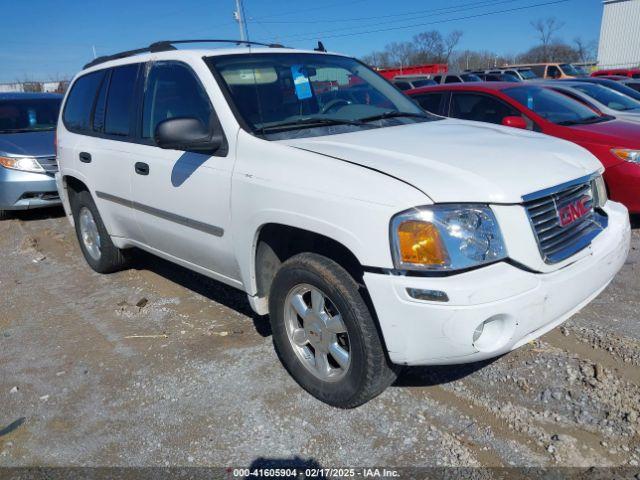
(121, 100)
(77, 110)
(452, 79)
(480, 108)
(431, 102)
(172, 91)
(403, 85)
(553, 72)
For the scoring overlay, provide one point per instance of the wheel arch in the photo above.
(275, 242)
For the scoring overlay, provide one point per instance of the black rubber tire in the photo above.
(112, 259)
(370, 372)
(5, 215)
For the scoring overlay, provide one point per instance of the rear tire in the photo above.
(95, 242)
(333, 348)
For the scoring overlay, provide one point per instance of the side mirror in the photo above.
(515, 122)
(186, 134)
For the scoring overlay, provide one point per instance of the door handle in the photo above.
(142, 168)
(85, 157)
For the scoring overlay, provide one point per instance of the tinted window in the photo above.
(423, 83)
(29, 115)
(173, 91)
(553, 72)
(470, 77)
(120, 100)
(452, 79)
(480, 108)
(101, 104)
(569, 69)
(403, 85)
(538, 70)
(635, 75)
(527, 74)
(77, 110)
(431, 102)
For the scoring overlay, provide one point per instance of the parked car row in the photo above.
(604, 121)
(374, 233)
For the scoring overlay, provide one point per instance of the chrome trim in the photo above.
(555, 242)
(563, 186)
(171, 217)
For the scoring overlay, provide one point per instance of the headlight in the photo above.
(627, 155)
(599, 192)
(446, 237)
(24, 164)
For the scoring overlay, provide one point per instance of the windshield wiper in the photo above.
(309, 122)
(393, 114)
(584, 121)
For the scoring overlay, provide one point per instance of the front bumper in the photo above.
(25, 190)
(521, 305)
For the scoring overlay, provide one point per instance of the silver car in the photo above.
(27, 151)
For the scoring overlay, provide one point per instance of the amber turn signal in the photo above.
(420, 243)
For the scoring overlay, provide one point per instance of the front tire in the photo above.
(95, 242)
(324, 333)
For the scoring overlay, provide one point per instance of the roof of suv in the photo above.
(195, 53)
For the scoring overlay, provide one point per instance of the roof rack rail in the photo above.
(167, 45)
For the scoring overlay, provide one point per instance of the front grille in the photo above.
(560, 231)
(49, 164)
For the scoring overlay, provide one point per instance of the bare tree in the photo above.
(430, 47)
(401, 53)
(586, 50)
(546, 29)
(451, 42)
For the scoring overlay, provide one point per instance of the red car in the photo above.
(616, 143)
(624, 72)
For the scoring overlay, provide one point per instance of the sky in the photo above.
(47, 40)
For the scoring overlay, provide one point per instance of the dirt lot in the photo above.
(159, 366)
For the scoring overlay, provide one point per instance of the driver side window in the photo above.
(172, 91)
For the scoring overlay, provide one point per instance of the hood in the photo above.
(459, 161)
(33, 144)
(619, 133)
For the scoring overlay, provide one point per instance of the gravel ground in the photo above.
(159, 366)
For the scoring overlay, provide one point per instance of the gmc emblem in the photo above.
(571, 212)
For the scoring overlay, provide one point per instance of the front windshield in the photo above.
(582, 71)
(554, 106)
(569, 70)
(284, 95)
(527, 73)
(28, 115)
(612, 99)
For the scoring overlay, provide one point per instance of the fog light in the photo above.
(494, 333)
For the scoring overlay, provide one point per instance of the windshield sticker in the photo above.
(301, 82)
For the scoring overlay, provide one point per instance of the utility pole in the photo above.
(238, 15)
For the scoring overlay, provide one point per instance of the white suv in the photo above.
(374, 234)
